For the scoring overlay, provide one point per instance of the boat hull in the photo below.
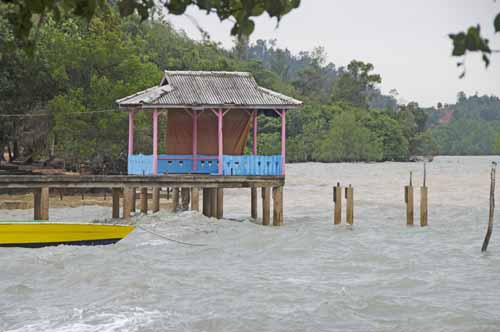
(37, 235)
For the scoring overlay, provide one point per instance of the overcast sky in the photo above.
(407, 41)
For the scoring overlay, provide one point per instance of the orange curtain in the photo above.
(235, 128)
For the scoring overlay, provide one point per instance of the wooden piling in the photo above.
(277, 206)
(492, 208)
(349, 197)
(156, 199)
(253, 203)
(116, 203)
(423, 200)
(266, 205)
(213, 202)
(175, 199)
(195, 199)
(134, 199)
(409, 202)
(206, 202)
(128, 198)
(337, 198)
(185, 198)
(41, 203)
(144, 200)
(220, 203)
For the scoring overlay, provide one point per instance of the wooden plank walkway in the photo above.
(124, 186)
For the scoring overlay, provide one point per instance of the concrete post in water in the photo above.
(423, 200)
(349, 197)
(220, 203)
(144, 200)
(409, 202)
(266, 205)
(253, 203)
(277, 206)
(185, 197)
(337, 199)
(195, 199)
(492, 207)
(156, 199)
(116, 203)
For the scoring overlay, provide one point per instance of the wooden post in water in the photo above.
(337, 199)
(492, 207)
(409, 202)
(116, 203)
(213, 202)
(175, 199)
(349, 197)
(128, 197)
(185, 193)
(41, 206)
(253, 203)
(266, 205)
(134, 198)
(277, 206)
(220, 203)
(423, 200)
(144, 200)
(206, 202)
(156, 199)
(195, 199)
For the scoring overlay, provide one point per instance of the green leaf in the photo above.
(486, 60)
(496, 23)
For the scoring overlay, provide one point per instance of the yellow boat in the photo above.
(41, 234)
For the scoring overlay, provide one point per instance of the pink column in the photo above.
(255, 132)
(155, 142)
(130, 133)
(220, 116)
(283, 141)
(195, 139)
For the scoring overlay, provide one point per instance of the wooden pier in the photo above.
(185, 185)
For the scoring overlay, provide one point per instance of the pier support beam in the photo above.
(266, 205)
(175, 199)
(213, 202)
(206, 202)
(185, 199)
(156, 199)
(134, 199)
(144, 200)
(278, 206)
(195, 199)
(253, 203)
(41, 206)
(220, 203)
(128, 198)
(116, 203)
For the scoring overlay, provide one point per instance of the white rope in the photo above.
(169, 239)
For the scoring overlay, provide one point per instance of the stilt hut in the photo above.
(210, 116)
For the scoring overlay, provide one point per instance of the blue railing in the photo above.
(183, 164)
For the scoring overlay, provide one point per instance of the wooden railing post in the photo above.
(337, 199)
(409, 202)
(349, 196)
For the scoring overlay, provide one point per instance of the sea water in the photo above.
(309, 275)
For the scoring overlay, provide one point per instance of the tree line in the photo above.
(79, 68)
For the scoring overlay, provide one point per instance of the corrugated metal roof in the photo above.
(203, 88)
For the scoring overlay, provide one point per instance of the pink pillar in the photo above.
(155, 142)
(195, 139)
(130, 133)
(220, 116)
(283, 141)
(254, 132)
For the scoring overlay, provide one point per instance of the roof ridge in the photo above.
(208, 73)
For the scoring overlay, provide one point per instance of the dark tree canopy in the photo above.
(24, 14)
